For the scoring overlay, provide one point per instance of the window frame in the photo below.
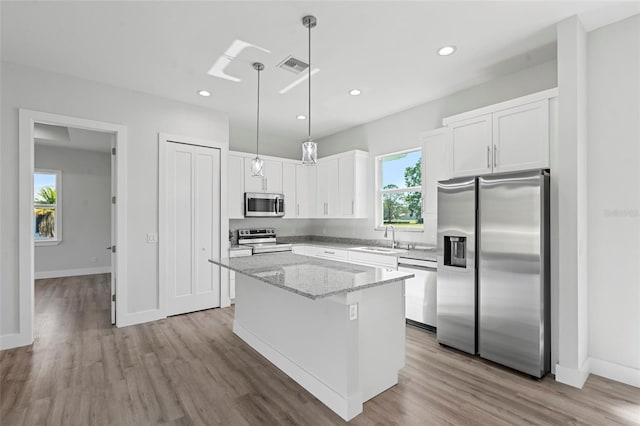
(379, 192)
(57, 207)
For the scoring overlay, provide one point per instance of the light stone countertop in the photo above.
(310, 276)
(420, 254)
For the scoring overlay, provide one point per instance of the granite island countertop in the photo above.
(310, 276)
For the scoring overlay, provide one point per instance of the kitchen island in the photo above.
(338, 329)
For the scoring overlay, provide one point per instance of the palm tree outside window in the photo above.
(47, 206)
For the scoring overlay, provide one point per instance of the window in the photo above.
(399, 190)
(47, 207)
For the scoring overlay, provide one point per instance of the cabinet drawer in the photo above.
(329, 253)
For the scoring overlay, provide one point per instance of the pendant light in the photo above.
(257, 169)
(309, 147)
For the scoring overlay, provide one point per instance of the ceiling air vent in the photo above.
(294, 65)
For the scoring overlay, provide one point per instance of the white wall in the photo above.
(144, 116)
(86, 210)
(401, 131)
(613, 92)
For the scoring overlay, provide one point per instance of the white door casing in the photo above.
(192, 185)
(114, 227)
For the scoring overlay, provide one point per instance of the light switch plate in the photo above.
(152, 237)
(353, 312)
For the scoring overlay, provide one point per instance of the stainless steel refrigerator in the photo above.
(493, 268)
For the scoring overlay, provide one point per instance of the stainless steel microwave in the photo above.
(258, 204)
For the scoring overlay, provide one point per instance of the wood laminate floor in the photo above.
(191, 369)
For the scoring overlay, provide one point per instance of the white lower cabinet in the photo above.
(378, 260)
(331, 253)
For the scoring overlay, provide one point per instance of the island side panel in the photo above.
(316, 344)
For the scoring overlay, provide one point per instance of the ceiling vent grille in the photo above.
(293, 65)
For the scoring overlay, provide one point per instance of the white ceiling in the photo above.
(69, 137)
(386, 49)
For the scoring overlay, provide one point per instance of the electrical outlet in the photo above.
(152, 237)
(353, 312)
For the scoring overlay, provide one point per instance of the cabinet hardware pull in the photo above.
(330, 252)
(488, 157)
(495, 160)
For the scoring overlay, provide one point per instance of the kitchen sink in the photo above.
(383, 250)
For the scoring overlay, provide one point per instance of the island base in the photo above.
(343, 349)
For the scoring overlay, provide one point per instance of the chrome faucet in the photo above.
(393, 242)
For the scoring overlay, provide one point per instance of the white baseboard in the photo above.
(14, 340)
(572, 376)
(72, 272)
(347, 408)
(617, 372)
(123, 320)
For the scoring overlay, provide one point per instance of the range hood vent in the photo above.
(293, 65)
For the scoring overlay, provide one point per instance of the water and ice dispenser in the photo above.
(455, 251)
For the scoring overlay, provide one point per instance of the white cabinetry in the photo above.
(289, 190)
(437, 167)
(471, 146)
(331, 253)
(506, 137)
(235, 181)
(306, 181)
(270, 182)
(352, 169)
(328, 188)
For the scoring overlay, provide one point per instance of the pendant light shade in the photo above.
(257, 169)
(309, 147)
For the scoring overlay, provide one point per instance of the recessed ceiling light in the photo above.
(301, 117)
(204, 93)
(354, 92)
(446, 50)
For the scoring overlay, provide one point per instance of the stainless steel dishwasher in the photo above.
(420, 292)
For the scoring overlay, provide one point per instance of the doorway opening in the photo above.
(72, 204)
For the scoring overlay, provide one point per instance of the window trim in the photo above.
(58, 207)
(378, 191)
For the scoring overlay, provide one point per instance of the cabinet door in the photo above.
(305, 191)
(289, 190)
(437, 165)
(472, 146)
(235, 186)
(273, 176)
(347, 171)
(521, 137)
(252, 183)
(270, 182)
(328, 188)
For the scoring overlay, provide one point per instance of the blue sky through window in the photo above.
(393, 167)
(41, 180)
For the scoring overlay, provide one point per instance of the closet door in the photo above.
(193, 215)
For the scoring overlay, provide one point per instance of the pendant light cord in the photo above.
(309, 80)
(258, 117)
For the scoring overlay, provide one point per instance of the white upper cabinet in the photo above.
(328, 188)
(306, 182)
(437, 166)
(505, 137)
(521, 137)
(235, 181)
(270, 182)
(471, 142)
(352, 169)
(289, 190)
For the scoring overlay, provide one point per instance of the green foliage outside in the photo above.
(404, 209)
(45, 217)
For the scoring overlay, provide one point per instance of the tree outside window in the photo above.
(400, 190)
(46, 200)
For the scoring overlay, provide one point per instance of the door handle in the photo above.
(488, 157)
(495, 151)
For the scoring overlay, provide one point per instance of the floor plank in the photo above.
(191, 370)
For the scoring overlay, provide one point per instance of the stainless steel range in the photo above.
(261, 240)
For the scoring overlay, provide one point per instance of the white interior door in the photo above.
(193, 227)
(114, 225)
